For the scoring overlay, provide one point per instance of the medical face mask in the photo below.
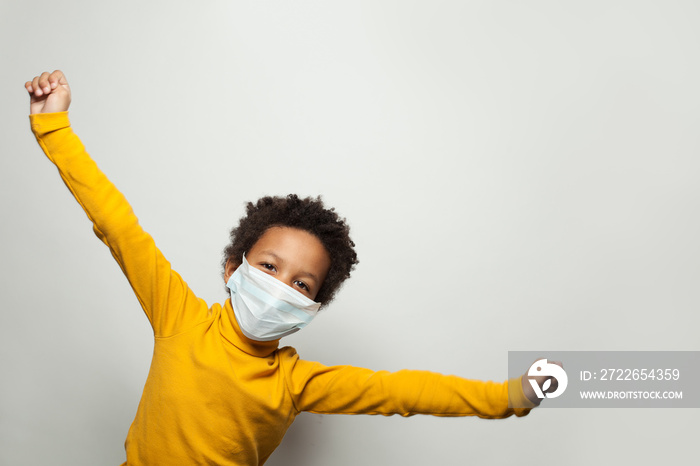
(266, 309)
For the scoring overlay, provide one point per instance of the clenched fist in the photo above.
(49, 93)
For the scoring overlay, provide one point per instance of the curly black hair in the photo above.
(308, 214)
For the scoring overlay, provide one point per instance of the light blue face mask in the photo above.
(266, 309)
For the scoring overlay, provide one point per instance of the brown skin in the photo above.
(49, 93)
(295, 257)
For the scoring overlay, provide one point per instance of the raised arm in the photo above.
(167, 300)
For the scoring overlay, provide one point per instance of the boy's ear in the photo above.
(231, 267)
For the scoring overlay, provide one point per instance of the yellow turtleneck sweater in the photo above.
(212, 395)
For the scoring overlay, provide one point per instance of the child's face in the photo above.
(295, 257)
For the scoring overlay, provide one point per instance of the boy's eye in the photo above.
(302, 285)
(269, 267)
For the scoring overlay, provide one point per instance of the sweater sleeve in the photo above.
(166, 299)
(352, 390)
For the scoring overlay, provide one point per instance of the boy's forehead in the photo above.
(279, 236)
(294, 247)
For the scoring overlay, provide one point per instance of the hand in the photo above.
(541, 382)
(49, 93)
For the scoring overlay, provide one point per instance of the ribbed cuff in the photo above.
(44, 123)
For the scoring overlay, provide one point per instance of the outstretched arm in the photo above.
(352, 390)
(164, 296)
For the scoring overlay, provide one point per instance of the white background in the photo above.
(518, 175)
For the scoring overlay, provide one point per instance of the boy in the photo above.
(220, 390)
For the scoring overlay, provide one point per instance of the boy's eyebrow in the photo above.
(303, 273)
(310, 275)
(272, 253)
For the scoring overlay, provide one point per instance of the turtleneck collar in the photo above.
(232, 333)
